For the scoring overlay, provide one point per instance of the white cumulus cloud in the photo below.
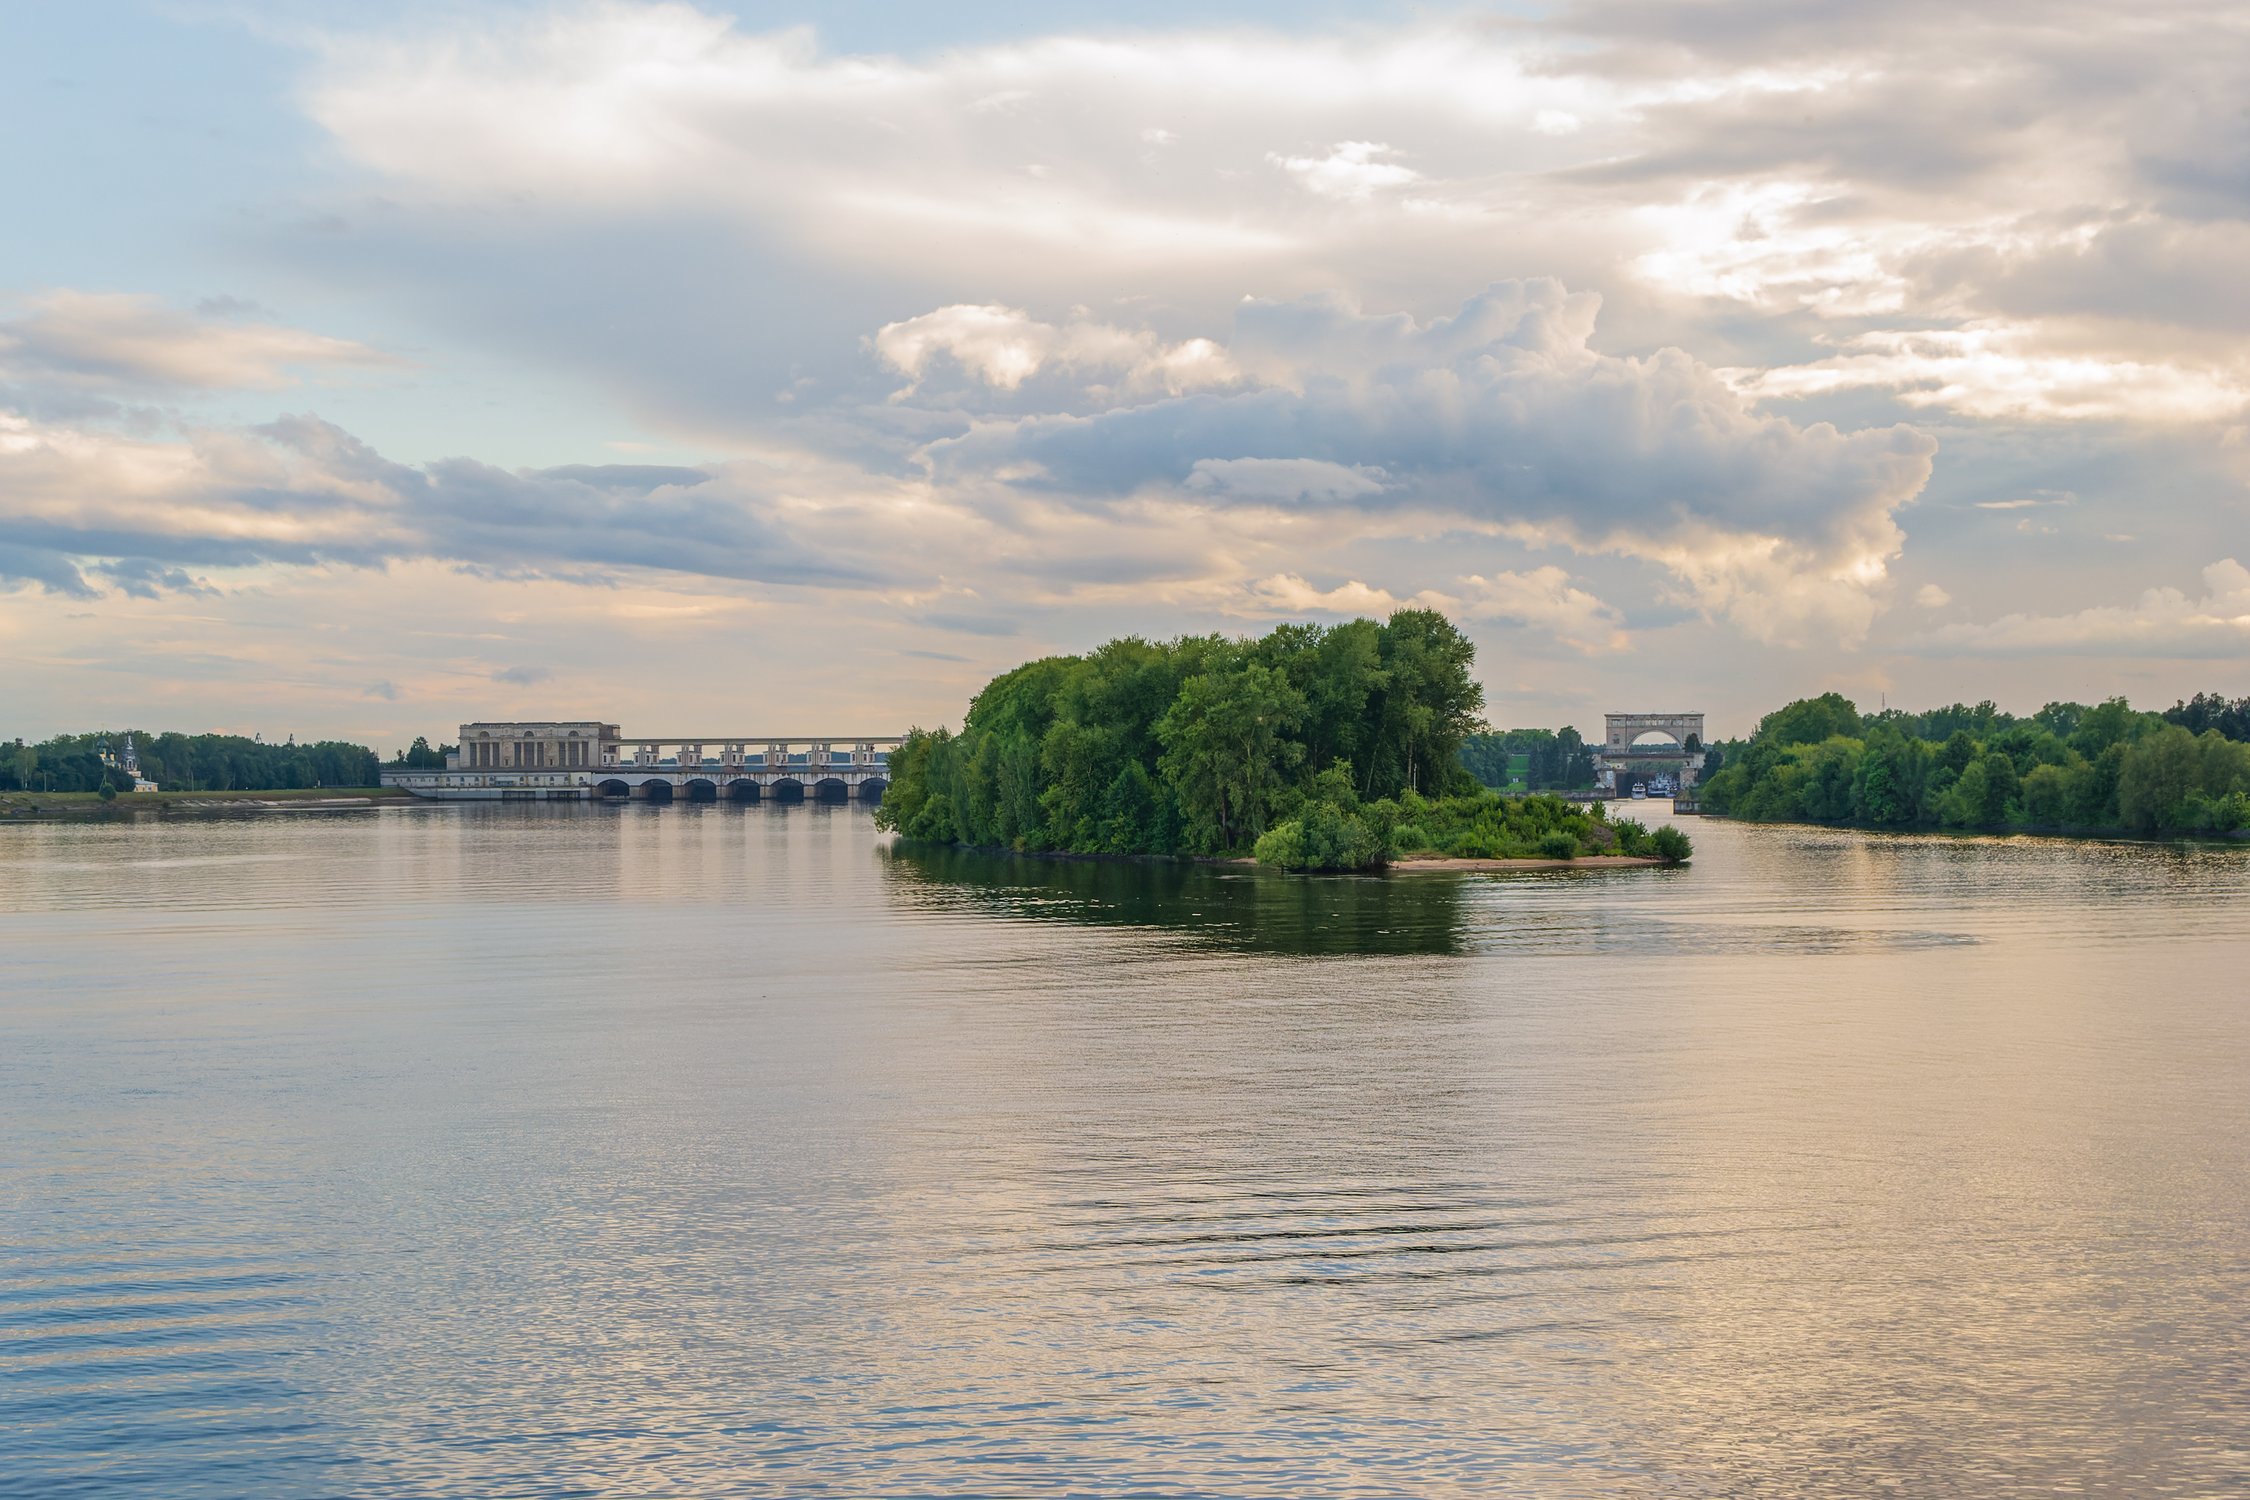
(1353, 172)
(1546, 599)
(2164, 622)
(2004, 372)
(1005, 346)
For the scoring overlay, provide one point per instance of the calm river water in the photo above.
(722, 1151)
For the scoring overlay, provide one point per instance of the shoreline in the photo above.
(1438, 863)
(1415, 864)
(87, 807)
(1446, 864)
(2075, 833)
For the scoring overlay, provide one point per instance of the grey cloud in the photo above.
(473, 512)
(1502, 414)
(967, 624)
(385, 690)
(1754, 32)
(51, 570)
(479, 513)
(145, 578)
(302, 490)
(523, 676)
(2135, 266)
(1909, 132)
(624, 478)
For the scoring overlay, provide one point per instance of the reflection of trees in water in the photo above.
(1238, 907)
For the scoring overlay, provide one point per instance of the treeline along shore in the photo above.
(1358, 745)
(1310, 748)
(200, 763)
(2070, 767)
(185, 763)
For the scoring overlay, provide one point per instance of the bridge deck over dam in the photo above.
(587, 760)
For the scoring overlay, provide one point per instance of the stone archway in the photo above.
(1637, 747)
(1620, 732)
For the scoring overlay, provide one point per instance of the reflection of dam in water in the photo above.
(582, 760)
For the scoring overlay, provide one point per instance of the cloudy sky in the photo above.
(791, 368)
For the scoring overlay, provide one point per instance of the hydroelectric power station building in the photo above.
(584, 760)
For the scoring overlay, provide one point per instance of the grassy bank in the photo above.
(49, 805)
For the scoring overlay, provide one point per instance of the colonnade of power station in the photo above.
(587, 760)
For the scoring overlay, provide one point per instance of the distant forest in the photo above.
(1534, 760)
(185, 763)
(2100, 768)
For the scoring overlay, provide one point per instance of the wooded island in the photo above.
(1313, 748)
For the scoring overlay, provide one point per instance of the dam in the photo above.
(587, 760)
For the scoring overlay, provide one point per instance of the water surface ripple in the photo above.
(723, 1151)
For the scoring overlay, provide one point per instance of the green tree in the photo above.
(1962, 804)
(2111, 722)
(1959, 749)
(1428, 703)
(2001, 787)
(1133, 814)
(1227, 750)
(422, 756)
(1877, 797)
(2061, 719)
(1324, 836)
(1340, 671)
(1809, 721)
(2159, 774)
(1831, 771)
(2046, 797)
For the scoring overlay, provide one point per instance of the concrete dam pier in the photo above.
(587, 761)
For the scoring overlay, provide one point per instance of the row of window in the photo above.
(493, 754)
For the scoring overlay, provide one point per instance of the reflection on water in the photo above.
(1242, 908)
(1595, 910)
(629, 1151)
